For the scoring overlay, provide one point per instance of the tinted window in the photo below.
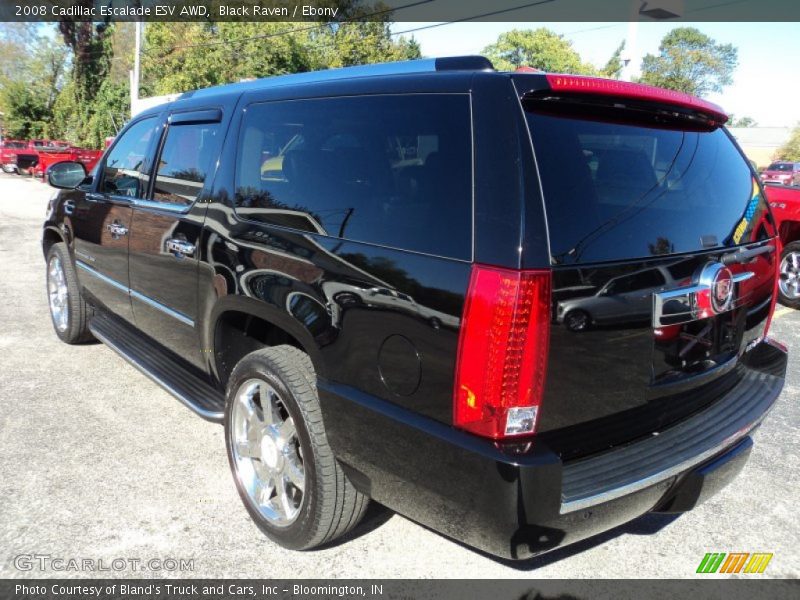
(187, 155)
(124, 173)
(391, 170)
(615, 190)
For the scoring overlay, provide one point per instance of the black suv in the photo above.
(385, 281)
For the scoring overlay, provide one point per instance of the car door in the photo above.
(166, 230)
(638, 299)
(100, 217)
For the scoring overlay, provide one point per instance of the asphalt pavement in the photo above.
(99, 464)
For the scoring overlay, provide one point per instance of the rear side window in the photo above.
(125, 169)
(389, 170)
(184, 162)
(617, 190)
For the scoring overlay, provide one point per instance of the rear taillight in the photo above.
(502, 352)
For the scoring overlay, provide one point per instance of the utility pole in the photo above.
(137, 66)
(655, 10)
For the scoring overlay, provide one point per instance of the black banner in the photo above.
(520, 589)
(401, 10)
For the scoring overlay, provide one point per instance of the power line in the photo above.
(289, 31)
(492, 13)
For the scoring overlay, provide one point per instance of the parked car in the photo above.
(785, 204)
(786, 173)
(50, 156)
(8, 154)
(401, 342)
(36, 156)
(623, 299)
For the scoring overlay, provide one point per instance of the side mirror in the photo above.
(66, 175)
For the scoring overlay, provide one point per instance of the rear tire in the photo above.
(284, 469)
(69, 312)
(789, 284)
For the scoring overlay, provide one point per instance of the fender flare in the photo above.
(266, 312)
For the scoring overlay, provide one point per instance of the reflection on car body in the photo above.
(623, 299)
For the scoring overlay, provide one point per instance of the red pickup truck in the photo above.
(36, 156)
(8, 154)
(785, 203)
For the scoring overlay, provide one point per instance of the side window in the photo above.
(389, 170)
(184, 162)
(124, 172)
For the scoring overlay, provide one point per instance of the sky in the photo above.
(766, 83)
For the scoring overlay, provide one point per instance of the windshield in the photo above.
(615, 190)
(780, 167)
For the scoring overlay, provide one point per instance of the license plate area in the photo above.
(692, 348)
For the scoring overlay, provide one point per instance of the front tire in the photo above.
(69, 312)
(789, 284)
(577, 320)
(284, 469)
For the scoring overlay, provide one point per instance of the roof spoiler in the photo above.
(597, 86)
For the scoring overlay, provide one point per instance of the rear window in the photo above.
(780, 167)
(616, 190)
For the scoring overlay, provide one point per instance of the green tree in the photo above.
(187, 56)
(690, 61)
(358, 43)
(791, 149)
(16, 39)
(538, 48)
(26, 111)
(90, 44)
(28, 92)
(741, 121)
(613, 68)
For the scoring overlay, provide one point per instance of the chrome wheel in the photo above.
(267, 455)
(57, 293)
(790, 276)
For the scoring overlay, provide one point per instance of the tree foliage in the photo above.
(745, 121)
(791, 149)
(613, 68)
(538, 48)
(690, 61)
(186, 56)
(30, 86)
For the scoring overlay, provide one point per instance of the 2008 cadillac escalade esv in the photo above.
(519, 308)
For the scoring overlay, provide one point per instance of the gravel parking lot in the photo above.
(98, 462)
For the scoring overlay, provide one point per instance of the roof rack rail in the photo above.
(424, 65)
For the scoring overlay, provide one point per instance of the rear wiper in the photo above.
(744, 254)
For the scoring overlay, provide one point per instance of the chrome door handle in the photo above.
(180, 248)
(117, 230)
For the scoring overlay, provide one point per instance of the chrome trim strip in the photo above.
(165, 206)
(678, 306)
(138, 295)
(104, 278)
(216, 417)
(165, 309)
